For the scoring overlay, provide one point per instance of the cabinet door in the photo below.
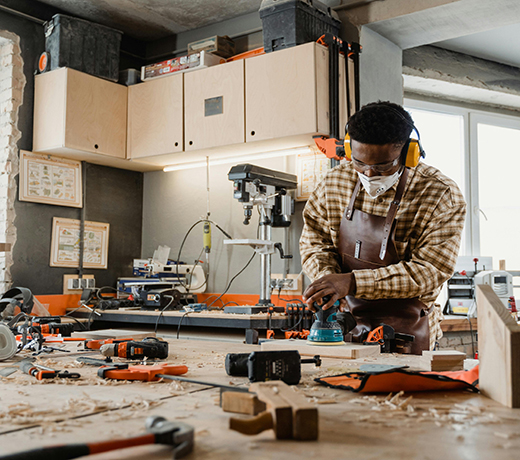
(155, 117)
(95, 115)
(287, 93)
(214, 106)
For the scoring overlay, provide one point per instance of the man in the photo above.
(381, 237)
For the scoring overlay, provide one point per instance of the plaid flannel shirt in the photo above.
(430, 220)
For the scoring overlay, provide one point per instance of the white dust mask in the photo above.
(378, 185)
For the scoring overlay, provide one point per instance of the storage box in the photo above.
(221, 46)
(82, 45)
(180, 64)
(287, 23)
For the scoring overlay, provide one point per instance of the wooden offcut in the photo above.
(345, 351)
(443, 360)
(499, 349)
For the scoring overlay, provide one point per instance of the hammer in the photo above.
(160, 431)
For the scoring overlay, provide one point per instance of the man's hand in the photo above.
(336, 286)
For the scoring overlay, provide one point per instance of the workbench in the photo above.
(441, 425)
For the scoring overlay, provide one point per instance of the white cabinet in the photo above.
(77, 113)
(155, 112)
(214, 106)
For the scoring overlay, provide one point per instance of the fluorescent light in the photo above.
(239, 159)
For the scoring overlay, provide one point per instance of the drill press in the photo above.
(266, 189)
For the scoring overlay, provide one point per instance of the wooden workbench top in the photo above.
(450, 425)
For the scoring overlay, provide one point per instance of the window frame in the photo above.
(471, 119)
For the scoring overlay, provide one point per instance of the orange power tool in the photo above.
(97, 344)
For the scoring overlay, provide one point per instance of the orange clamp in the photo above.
(141, 372)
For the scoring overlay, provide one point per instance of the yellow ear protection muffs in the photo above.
(412, 150)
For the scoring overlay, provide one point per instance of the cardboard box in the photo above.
(221, 46)
(180, 64)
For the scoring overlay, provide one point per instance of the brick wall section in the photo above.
(12, 83)
(460, 340)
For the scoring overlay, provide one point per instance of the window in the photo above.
(481, 152)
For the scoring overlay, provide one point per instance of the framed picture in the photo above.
(311, 170)
(50, 180)
(65, 244)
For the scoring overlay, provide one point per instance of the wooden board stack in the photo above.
(443, 360)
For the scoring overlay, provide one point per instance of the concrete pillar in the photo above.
(380, 69)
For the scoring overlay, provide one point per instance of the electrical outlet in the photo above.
(73, 284)
(292, 283)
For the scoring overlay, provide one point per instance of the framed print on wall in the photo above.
(65, 243)
(50, 180)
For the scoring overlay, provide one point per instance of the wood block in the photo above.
(112, 334)
(346, 351)
(499, 349)
(304, 414)
(241, 403)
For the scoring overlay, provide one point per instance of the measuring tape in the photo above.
(7, 342)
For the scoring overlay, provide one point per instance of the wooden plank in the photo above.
(499, 349)
(346, 351)
(458, 324)
(112, 334)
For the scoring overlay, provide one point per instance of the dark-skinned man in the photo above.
(382, 231)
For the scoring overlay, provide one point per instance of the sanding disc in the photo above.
(7, 343)
(319, 344)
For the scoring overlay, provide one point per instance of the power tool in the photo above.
(326, 330)
(261, 366)
(148, 348)
(390, 341)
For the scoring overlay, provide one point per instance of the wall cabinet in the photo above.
(287, 93)
(155, 111)
(270, 102)
(76, 113)
(214, 106)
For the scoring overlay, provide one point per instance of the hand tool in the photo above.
(149, 347)
(261, 366)
(42, 372)
(288, 413)
(160, 431)
(325, 330)
(390, 341)
(122, 371)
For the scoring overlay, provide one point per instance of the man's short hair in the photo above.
(380, 123)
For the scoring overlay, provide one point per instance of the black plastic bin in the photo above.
(82, 45)
(287, 23)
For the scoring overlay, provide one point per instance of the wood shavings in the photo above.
(502, 435)
(25, 414)
(325, 401)
(202, 433)
(391, 408)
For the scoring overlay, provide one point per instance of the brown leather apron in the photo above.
(366, 241)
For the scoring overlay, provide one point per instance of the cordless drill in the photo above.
(147, 348)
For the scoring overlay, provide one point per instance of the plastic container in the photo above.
(82, 45)
(287, 23)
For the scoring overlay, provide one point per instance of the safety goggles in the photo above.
(380, 167)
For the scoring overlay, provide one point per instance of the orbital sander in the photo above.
(326, 330)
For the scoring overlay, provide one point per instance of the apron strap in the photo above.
(394, 206)
(350, 208)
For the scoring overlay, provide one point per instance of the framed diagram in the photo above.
(311, 170)
(50, 180)
(65, 243)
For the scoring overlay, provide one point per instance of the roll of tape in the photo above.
(7, 342)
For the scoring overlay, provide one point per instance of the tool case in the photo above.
(287, 23)
(82, 45)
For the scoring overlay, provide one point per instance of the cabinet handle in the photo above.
(176, 144)
(96, 146)
(252, 133)
(191, 142)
